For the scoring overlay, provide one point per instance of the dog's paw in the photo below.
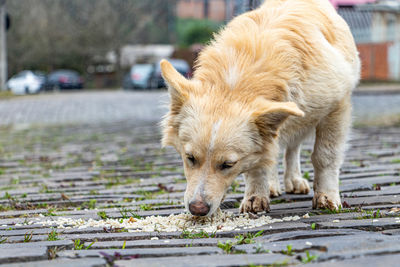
(274, 190)
(297, 186)
(254, 204)
(326, 201)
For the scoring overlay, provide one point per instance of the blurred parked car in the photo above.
(64, 79)
(26, 82)
(138, 77)
(157, 81)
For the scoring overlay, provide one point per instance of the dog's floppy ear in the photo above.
(178, 86)
(271, 115)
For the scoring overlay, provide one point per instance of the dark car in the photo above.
(64, 79)
(180, 65)
(138, 77)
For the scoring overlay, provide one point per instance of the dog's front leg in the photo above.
(256, 196)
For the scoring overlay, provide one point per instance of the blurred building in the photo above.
(225, 10)
(375, 25)
(376, 30)
(217, 10)
(349, 3)
(132, 54)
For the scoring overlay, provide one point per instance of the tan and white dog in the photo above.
(271, 77)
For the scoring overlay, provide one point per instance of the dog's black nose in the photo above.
(199, 208)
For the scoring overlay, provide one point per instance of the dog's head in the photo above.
(218, 136)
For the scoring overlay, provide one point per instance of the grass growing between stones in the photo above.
(288, 250)
(371, 214)
(241, 239)
(309, 258)
(28, 237)
(102, 215)
(80, 246)
(247, 238)
(260, 249)
(127, 213)
(193, 235)
(226, 247)
(53, 236)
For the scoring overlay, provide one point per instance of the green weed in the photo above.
(28, 237)
(102, 215)
(79, 246)
(91, 204)
(3, 240)
(53, 236)
(247, 238)
(226, 247)
(234, 186)
(288, 250)
(192, 235)
(146, 207)
(308, 258)
(260, 249)
(124, 213)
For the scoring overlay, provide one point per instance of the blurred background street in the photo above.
(100, 58)
(369, 108)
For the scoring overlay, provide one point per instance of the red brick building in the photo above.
(217, 10)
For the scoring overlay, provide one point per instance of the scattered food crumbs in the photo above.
(219, 222)
(335, 221)
(308, 243)
(306, 216)
(375, 220)
(154, 238)
(394, 210)
(166, 241)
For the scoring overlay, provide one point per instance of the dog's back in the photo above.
(275, 50)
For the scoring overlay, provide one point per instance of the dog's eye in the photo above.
(191, 159)
(226, 165)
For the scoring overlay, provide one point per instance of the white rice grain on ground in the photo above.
(219, 222)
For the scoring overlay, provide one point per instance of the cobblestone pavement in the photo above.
(111, 106)
(83, 107)
(118, 169)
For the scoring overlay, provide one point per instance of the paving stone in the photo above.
(363, 261)
(345, 247)
(142, 252)
(307, 234)
(89, 262)
(367, 224)
(211, 260)
(22, 254)
(17, 213)
(385, 190)
(65, 244)
(200, 242)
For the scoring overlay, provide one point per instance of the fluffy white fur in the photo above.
(269, 79)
